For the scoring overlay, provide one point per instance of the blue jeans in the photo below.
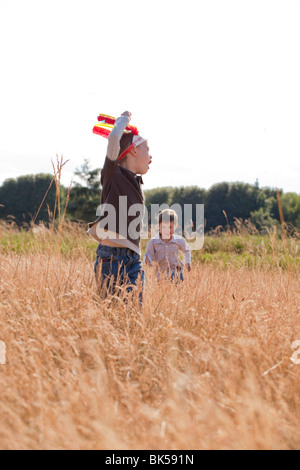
(118, 266)
(177, 274)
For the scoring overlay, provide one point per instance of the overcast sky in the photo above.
(212, 84)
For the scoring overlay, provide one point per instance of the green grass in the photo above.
(225, 249)
(250, 251)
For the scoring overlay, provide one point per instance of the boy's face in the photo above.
(142, 158)
(166, 230)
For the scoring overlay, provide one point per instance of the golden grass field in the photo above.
(193, 370)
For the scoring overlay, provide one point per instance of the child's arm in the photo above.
(113, 147)
(149, 255)
(186, 250)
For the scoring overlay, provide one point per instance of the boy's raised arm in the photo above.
(113, 147)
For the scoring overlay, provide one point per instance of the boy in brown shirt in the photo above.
(117, 229)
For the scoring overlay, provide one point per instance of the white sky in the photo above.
(213, 84)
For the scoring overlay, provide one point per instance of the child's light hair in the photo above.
(168, 216)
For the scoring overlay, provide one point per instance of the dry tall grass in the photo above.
(192, 371)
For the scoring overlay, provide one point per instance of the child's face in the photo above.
(142, 158)
(167, 229)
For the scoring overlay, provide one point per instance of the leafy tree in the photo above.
(239, 200)
(215, 202)
(189, 195)
(291, 208)
(262, 218)
(21, 198)
(157, 196)
(85, 196)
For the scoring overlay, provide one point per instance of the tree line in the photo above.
(21, 198)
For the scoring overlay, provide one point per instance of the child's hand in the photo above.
(189, 268)
(147, 261)
(127, 114)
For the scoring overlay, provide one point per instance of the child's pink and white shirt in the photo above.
(166, 253)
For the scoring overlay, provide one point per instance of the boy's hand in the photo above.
(147, 261)
(189, 268)
(127, 114)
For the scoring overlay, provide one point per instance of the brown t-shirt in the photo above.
(122, 207)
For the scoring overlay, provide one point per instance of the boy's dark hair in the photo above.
(125, 142)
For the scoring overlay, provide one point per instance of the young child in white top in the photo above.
(164, 249)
